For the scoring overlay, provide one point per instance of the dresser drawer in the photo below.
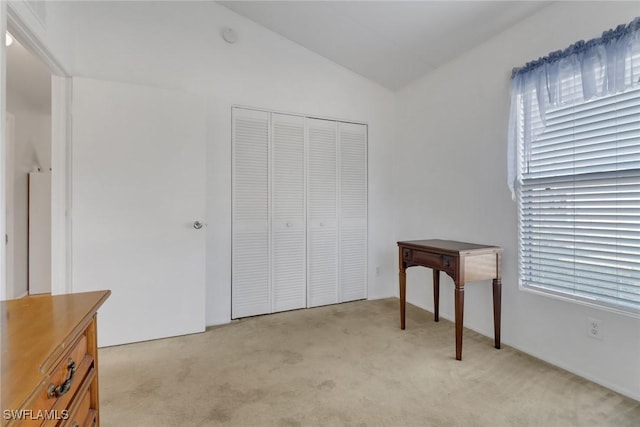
(429, 259)
(78, 411)
(52, 400)
(83, 415)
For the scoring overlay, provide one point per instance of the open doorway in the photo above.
(29, 166)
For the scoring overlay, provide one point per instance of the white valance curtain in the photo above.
(584, 71)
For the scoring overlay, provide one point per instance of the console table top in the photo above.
(448, 245)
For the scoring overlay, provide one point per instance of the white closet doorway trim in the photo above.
(18, 18)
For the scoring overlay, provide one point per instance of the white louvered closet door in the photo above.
(322, 213)
(353, 211)
(288, 230)
(299, 212)
(251, 293)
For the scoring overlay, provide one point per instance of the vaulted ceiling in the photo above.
(389, 42)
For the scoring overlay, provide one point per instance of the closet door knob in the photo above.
(197, 225)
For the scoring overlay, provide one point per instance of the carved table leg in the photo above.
(436, 295)
(403, 293)
(497, 306)
(459, 308)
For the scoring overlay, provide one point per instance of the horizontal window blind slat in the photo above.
(607, 195)
(621, 98)
(569, 117)
(609, 153)
(600, 234)
(581, 277)
(563, 146)
(585, 169)
(593, 116)
(598, 218)
(625, 245)
(585, 131)
(561, 283)
(602, 262)
(581, 249)
(593, 287)
(550, 199)
(586, 180)
(614, 133)
(627, 251)
(596, 294)
(585, 231)
(594, 161)
(628, 282)
(624, 281)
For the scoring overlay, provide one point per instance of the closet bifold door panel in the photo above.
(352, 142)
(250, 290)
(322, 212)
(299, 212)
(288, 222)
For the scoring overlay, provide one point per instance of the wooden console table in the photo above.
(50, 360)
(463, 262)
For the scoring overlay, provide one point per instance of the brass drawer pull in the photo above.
(60, 390)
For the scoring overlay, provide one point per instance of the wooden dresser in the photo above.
(49, 358)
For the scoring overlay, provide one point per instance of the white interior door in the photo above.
(39, 232)
(138, 186)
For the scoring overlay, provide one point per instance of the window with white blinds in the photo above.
(579, 203)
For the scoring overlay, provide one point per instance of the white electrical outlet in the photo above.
(594, 328)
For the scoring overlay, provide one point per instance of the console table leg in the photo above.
(459, 302)
(436, 295)
(403, 294)
(497, 306)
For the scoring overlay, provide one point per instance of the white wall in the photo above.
(451, 183)
(178, 45)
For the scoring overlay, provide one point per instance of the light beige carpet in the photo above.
(345, 365)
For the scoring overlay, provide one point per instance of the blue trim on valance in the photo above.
(580, 46)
